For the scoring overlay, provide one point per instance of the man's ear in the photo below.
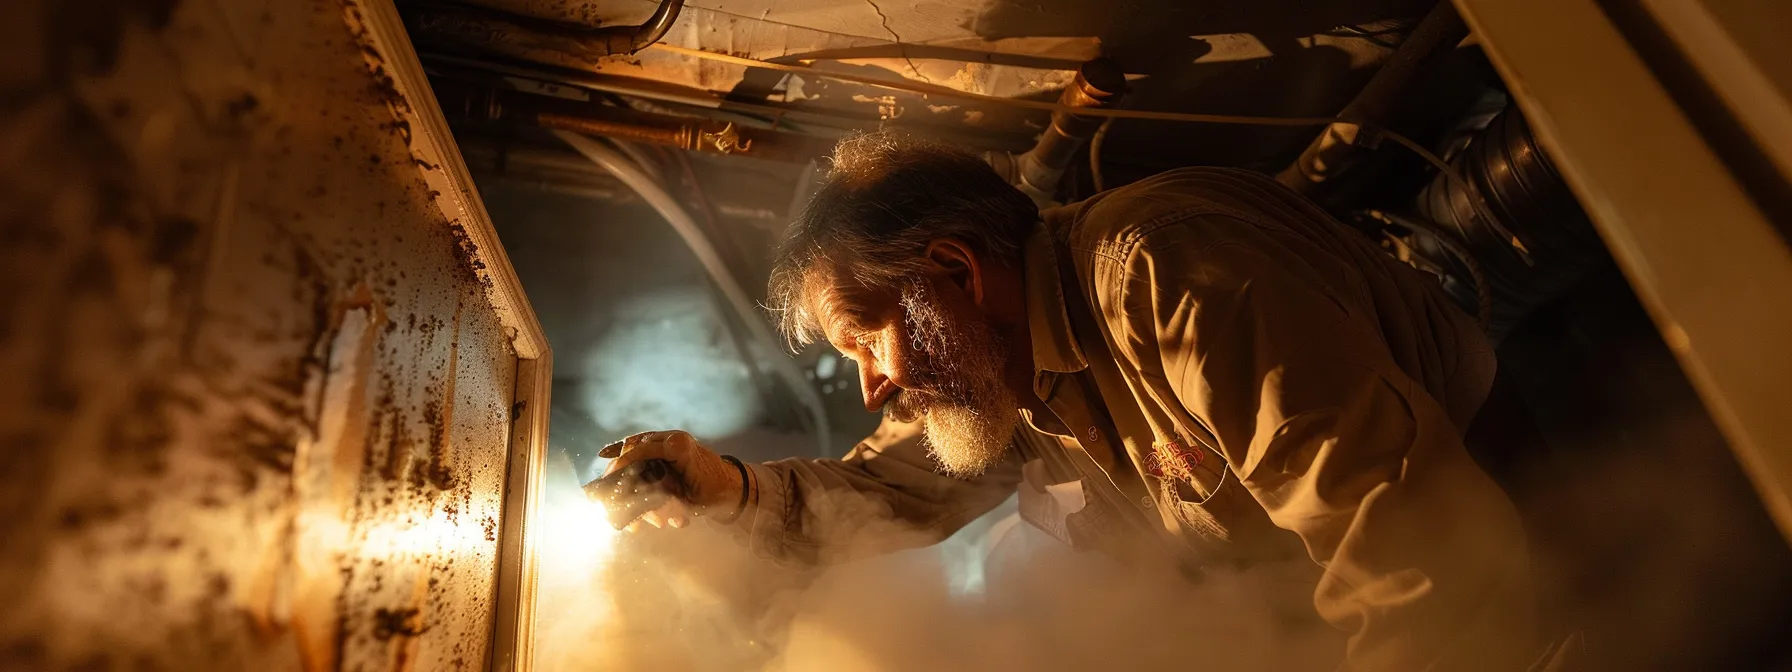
(957, 264)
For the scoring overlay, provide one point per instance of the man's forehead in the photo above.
(838, 302)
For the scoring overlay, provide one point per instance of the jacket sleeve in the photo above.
(1424, 557)
(884, 496)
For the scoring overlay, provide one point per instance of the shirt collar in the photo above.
(1054, 346)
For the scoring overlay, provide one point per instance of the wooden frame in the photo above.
(1704, 257)
(512, 642)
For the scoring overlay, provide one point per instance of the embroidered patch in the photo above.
(1173, 460)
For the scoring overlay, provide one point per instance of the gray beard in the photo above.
(970, 414)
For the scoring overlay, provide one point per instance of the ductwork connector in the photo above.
(1098, 83)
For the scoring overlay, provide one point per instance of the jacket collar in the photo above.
(1054, 345)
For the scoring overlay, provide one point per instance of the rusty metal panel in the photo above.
(260, 398)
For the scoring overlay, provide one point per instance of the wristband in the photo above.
(746, 483)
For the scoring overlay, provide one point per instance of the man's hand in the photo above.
(711, 485)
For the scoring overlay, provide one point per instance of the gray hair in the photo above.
(886, 197)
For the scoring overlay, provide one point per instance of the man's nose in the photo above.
(871, 381)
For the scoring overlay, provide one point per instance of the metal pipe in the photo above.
(655, 27)
(711, 260)
(587, 118)
(1098, 83)
(1374, 106)
(688, 136)
(518, 36)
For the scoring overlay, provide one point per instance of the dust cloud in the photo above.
(998, 595)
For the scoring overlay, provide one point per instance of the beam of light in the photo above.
(576, 540)
(575, 546)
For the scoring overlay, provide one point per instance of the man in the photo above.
(1201, 365)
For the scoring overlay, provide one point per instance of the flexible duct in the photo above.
(707, 255)
(1530, 235)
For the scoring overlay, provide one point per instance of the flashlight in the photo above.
(636, 489)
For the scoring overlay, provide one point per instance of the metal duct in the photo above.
(1538, 241)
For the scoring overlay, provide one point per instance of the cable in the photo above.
(1483, 293)
(1114, 113)
(1372, 37)
(938, 90)
(1111, 113)
(1101, 135)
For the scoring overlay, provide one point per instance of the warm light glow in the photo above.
(433, 536)
(576, 540)
(576, 546)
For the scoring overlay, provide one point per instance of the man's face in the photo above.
(927, 354)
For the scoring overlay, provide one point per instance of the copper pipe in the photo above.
(687, 133)
(1099, 83)
(653, 135)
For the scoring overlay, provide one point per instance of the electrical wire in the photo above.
(912, 86)
(924, 88)
(1101, 136)
(1372, 37)
(946, 91)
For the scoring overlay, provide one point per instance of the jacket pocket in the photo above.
(1207, 515)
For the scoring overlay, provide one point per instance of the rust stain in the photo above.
(407, 637)
(202, 454)
(327, 477)
(440, 472)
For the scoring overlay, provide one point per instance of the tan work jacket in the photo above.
(1237, 379)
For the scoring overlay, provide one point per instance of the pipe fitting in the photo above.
(1098, 83)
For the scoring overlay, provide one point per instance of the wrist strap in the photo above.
(746, 485)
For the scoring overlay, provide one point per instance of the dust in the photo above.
(998, 595)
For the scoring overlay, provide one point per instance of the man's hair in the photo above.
(886, 197)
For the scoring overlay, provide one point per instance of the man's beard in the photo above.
(970, 414)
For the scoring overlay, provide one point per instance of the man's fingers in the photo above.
(612, 451)
(675, 438)
(616, 449)
(631, 450)
(671, 444)
(675, 513)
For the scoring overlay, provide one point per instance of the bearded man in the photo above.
(1201, 365)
